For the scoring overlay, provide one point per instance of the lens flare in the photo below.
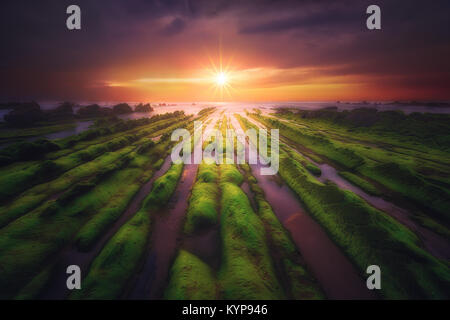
(221, 79)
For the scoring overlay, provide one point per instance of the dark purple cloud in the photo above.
(176, 26)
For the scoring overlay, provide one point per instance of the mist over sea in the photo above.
(194, 107)
(266, 107)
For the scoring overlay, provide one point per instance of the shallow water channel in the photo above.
(335, 273)
(56, 287)
(149, 282)
(432, 242)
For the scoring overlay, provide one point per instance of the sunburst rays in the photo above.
(221, 75)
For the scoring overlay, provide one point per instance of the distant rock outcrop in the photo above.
(143, 108)
(65, 107)
(122, 108)
(24, 114)
(10, 105)
(93, 110)
(62, 112)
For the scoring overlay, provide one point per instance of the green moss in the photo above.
(229, 173)
(300, 158)
(313, 169)
(202, 211)
(416, 131)
(405, 182)
(41, 233)
(300, 283)
(76, 191)
(31, 290)
(43, 224)
(370, 236)
(158, 164)
(360, 182)
(190, 279)
(316, 141)
(7, 134)
(246, 271)
(165, 186)
(411, 164)
(36, 195)
(101, 165)
(19, 177)
(208, 173)
(107, 215)
(118, 260)
(432, 225)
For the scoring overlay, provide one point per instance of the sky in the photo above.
(268, 50)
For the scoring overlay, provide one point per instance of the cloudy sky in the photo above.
(172, 50)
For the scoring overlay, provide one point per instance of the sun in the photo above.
(221, 79)
(221, 75)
